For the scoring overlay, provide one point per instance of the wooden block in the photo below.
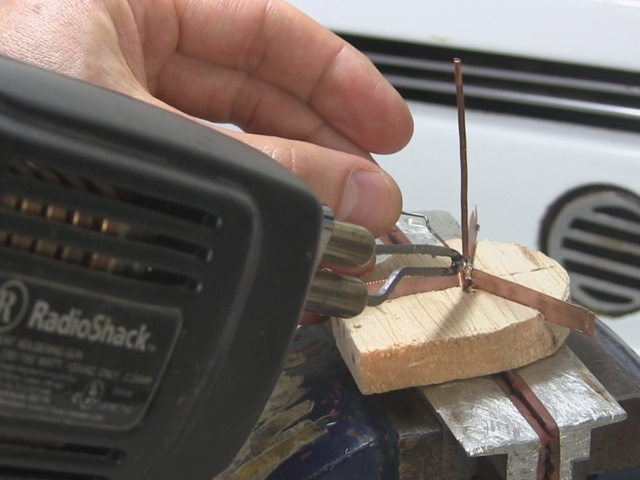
(434, 337)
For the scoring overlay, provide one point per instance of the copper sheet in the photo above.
(412, 285)
(554, 310)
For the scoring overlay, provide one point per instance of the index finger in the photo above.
(276, 43)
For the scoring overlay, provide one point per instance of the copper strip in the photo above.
(554, 310)
(413, 285)
(537, 415)
(462, 134)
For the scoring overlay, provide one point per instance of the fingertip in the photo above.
(363, 105)
(401, 124)
(372, 199)
(388, 122)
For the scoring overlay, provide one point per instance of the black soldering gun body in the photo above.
(152, 272)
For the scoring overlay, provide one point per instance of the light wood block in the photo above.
(434, 337)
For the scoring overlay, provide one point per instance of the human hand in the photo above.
(303, 95)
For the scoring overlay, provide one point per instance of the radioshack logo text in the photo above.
(98, 329)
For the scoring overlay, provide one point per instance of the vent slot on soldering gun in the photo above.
(52, 452)
(28, 204)
(28, 474)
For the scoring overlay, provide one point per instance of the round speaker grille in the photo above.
(594, 232)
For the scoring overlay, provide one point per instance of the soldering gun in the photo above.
(152, 273)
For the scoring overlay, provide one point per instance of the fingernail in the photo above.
(367, 200)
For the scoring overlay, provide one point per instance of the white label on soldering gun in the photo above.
(75, 358)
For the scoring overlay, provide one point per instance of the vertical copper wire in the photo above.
(462, 134)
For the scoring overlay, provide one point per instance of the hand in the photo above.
(304, 96)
